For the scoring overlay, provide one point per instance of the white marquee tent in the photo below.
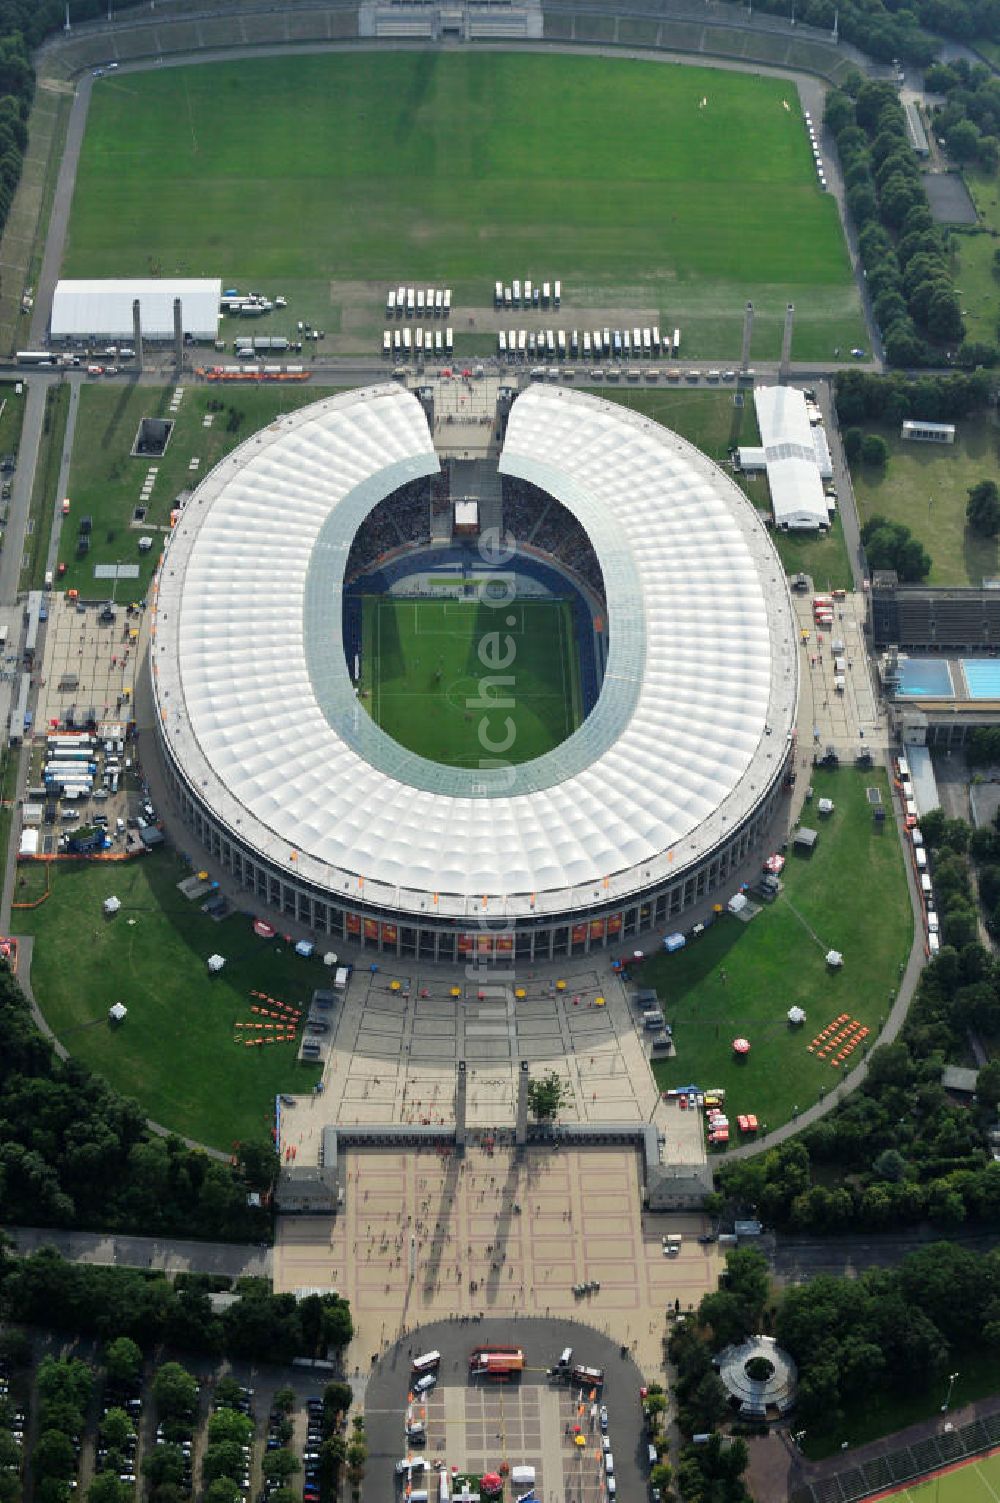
(793, 472)
(102, 309)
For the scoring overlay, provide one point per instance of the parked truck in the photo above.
(501, 1363)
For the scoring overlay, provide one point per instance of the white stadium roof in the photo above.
(792, 469)
(102, 309)
(258, 708)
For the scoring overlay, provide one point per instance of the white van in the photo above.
(916, 836)
(925, 884)
(903, 767)
(933, 923)
(420, 1495)
(920, 856)
(428, 1363)
(609, 1464)
(522, 1476)
(933, 943)
(410, 1464)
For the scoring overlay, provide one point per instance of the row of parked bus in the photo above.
(418, 302)
(536, 295)
(615, 344)
(404, 342)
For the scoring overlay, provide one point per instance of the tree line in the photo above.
(74, 1153)
(905, 254)
(969, 120)
(45, 1290)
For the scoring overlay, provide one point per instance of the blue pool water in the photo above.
(982, 677)
(927, 677)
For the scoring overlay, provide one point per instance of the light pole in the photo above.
(951, 1384)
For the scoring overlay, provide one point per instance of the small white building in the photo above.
(928, 433)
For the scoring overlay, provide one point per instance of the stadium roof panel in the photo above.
(102, 307)
(689, 731)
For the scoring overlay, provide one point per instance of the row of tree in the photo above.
(73, 1153)
(46, 1290)
(905, 254)
(862, 397)
(891, 545)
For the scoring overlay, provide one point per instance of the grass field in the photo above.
(974, 273)
(926, 486)
(329, 178)
(741, 979)
(974, 1482)
(711, 421)
(423, 660)
(105, 481)
(175, 1052)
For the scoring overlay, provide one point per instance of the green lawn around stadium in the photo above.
(178, 1052)
(740, 979)
(426, 666)
(667, 193)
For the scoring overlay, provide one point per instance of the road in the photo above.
(797, 1259)
(167, 1254)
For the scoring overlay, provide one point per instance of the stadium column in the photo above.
(747, 336)
(137, 333)
(460, 1086)
(786, 341)
(521, 1120)
(178, 335)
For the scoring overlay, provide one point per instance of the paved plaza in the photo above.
(89, 666)
(497, 1233)
(399, 1037)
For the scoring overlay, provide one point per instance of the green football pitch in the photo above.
(973, 1482)
(425, 671)
(674, 191)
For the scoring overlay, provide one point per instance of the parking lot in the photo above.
(531, 1421)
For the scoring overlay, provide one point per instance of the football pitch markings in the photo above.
(452, 679)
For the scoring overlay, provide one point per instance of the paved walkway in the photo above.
(168, 1254)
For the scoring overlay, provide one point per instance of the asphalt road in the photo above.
(169, 1255)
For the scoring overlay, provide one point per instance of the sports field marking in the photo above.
(986, 1482)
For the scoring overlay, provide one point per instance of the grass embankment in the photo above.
(740, 979)
(175, 1053)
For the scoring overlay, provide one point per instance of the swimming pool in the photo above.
(927, 678)
(982, 677)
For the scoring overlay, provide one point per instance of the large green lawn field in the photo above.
(740, 979)
(176, 1051)
(676, 191)
(926, 486)
(426, 665)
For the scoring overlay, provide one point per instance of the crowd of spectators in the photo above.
(401, 519)
(534, 517)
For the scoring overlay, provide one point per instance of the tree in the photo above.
(223, 1490)
(983, 510)
(944, 315)
(122, 1361)
(281, 1464)
(106, 1488)
(727, 1315)
(117, 1429)
(163, 1465)
(337, 1400)
(284, 1398)
(259, 1165)
(228, 1393)
(54, 1455)
(175, 1392)
(988, 1084)
(222, 1460)
(853, 439)
(964, 140)
(875, 451)
(230, 1425)
(546, 1094)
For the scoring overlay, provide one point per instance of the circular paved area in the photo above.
(522, 1422)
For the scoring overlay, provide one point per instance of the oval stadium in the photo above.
(459, 673)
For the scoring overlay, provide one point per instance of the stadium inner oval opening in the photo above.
(482, 649)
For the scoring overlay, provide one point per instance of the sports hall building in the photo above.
(666, 786)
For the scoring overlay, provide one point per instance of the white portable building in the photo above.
(101, 308)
